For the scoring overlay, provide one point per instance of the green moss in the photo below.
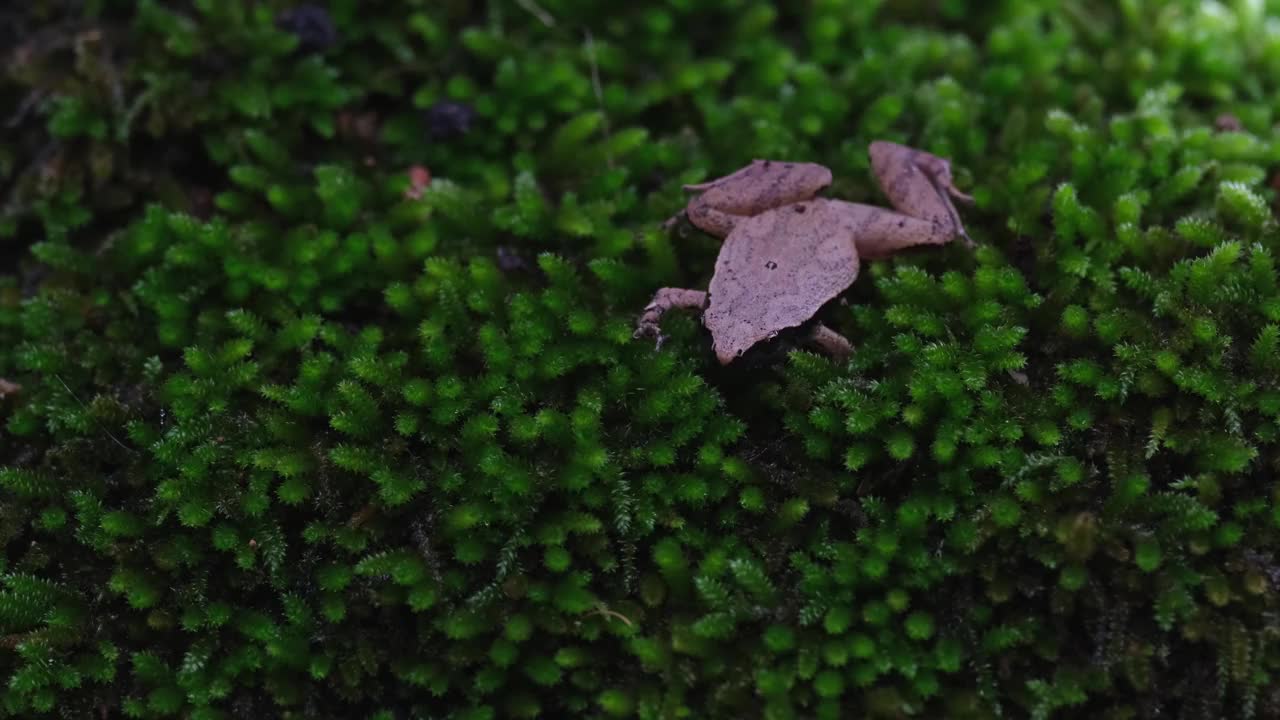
(292, 442)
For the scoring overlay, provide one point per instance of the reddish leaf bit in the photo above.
(419, 179)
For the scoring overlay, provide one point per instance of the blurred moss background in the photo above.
(320, 399)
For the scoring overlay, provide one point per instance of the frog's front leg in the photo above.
(920, 187)
(663, 300)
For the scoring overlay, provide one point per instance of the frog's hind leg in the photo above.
(709, 219)
(879, 232)
(830, 342)
(763, 185)
(704, 217)
(702, 214)
(919, 184)
(663, 300)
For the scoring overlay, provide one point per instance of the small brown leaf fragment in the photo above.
(603, 611)
(1226, 122)
(360, 126)
(8, 388)
(362, 516)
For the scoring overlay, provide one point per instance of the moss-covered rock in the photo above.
(285, 436)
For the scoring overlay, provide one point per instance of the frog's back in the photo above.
(774, 272)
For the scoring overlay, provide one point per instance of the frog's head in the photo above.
(732, 335)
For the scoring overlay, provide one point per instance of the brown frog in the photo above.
(787, 252)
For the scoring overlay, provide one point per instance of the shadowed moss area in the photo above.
(287, 436)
